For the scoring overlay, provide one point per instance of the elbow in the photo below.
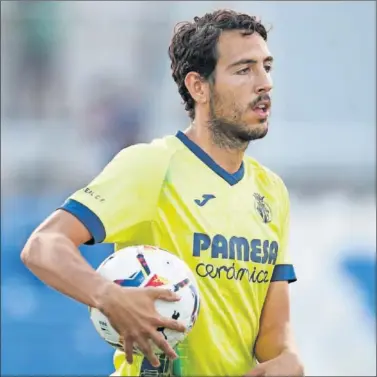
(38, 249)
(24, 257)
(31, 253)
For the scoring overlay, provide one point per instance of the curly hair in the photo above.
(194, 46)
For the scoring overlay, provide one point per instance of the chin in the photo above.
(259, 130)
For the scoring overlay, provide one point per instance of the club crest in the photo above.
(262, 208)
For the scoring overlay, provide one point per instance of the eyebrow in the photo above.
(269, 59)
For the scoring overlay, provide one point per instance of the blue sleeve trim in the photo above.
(284, 272)
(91, 221)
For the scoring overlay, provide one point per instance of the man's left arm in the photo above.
(275, 349)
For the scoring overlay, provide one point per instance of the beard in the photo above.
(229, 130)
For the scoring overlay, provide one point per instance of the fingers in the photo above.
(146, 348)
(143, 332)
(128, 349)
(164, 294)
(163, 345)
(171, 324)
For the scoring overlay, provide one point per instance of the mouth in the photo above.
(262, 109)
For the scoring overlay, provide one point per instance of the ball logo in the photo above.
(156, 281)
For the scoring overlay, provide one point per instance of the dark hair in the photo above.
(194, 46)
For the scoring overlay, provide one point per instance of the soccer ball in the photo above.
(148, 266)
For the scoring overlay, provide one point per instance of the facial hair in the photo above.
(229, 131)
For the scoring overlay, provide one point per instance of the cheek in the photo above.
(234, 84)
(232, 97)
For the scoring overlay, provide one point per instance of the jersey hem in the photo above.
(88, 218)
(284, 272)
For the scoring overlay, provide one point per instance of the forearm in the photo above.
(273, 342)
(56, 261)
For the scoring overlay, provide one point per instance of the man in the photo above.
(197, 195)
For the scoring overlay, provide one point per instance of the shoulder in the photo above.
(267, 176)
(144, 160)
(136, 172)
(154, 154)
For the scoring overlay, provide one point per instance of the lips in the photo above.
(262, 108)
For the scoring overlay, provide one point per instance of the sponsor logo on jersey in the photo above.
(235, 248)
(258, 252)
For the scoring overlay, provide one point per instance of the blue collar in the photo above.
(232, 179)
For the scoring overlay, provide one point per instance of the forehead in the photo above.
(233, 46)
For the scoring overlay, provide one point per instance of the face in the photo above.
(239, 104)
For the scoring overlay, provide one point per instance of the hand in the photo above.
(287, 364)
(133, 315)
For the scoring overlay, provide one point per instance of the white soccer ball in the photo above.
(148, 266)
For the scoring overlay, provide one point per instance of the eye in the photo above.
(268, 68)
(244, 71)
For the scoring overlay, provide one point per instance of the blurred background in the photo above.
(81, 80)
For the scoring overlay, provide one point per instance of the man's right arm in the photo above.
(52, 254)
(117, 200)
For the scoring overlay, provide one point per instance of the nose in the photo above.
(264, 85)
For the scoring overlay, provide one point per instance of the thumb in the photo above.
(164, 294)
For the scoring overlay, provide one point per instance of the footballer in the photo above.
(199, 196)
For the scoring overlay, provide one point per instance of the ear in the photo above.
(197, 87)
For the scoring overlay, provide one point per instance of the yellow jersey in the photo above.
(231, 229)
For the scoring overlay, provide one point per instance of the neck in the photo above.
(228, 158)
